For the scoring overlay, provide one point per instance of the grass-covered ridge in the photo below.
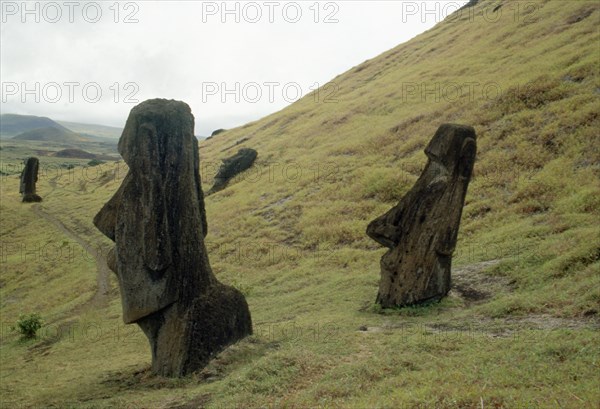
(520, 329)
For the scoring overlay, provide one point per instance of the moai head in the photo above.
(157, 217)
(158, 222)
(454, 147)
(29, 177)
(421, 230)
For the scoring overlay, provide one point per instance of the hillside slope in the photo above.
(520, 327)
(49, 134)
(93, 130)
(13, 124)
(529, 84)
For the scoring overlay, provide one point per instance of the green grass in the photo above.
(290, 233)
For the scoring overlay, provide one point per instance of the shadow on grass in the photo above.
(141, 378)
(116, 387)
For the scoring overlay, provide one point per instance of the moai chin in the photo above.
(421, 230)
(158, 223)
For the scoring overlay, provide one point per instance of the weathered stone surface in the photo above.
(421, 230)
(232, 166)
(29, 177)
(158, 222)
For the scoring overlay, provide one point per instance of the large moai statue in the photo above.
(158, 223)
(29, 177)
(421, 230)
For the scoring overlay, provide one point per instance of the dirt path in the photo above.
(101, 296)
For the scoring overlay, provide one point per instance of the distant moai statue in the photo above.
(158, 223)
(231, 167)
(29, 177)
(421, 230)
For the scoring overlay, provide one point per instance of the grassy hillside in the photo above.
(520, 327)
(50, 134)
(13, 152)
(93, 130)
(36, 128)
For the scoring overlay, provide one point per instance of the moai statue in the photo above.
(421, 230)
(158, 223)
(233, 166)
(29, 178)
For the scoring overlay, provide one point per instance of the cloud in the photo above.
(178, 49)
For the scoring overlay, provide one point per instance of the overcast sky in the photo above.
(232, 62)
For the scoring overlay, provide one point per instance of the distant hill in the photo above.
(51, 134)
(13, 124)
(74, 153)
(93, 130)
(38, 128)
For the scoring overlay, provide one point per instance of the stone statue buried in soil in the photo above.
(421, 230)
(158, 223)
(232, 166)
(29, 178)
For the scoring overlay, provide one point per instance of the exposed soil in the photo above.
(198, 402)
(473, 287)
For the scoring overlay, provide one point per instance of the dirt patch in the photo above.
(511, 326)
(470, 284)
(268, 211)
(198, 402)
(548, 322)
(582, 14)
(489, 327)
(43, 347)
(139, 379)
(236, 143)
